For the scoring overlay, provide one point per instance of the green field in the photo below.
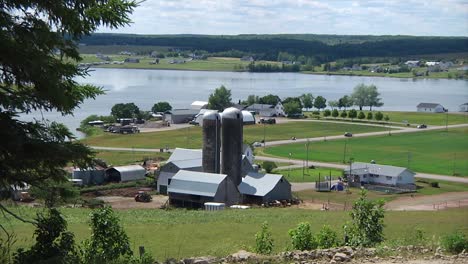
(192, 137)
(437, 152)
(210, 64)
(309, 175)
(117, 158)
(182, 233)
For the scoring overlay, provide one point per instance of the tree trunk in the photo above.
(370, 107)
(360, 108)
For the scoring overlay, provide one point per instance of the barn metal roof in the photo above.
(428, 105)
(384, 170)
(185, 154)
(185, 164)
(128, 168)
(255, 107)
(259, 184)
(196, 183)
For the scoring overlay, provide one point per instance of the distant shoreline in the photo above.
(300, 72)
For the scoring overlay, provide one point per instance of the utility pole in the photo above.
(307, 154)
(264, 134)
(446, 119)
(289, 171)
(344, 150)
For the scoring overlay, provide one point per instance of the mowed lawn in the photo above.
(435, 119)
(192, 137)
(185, 233)
(309, 175)
(117, 158)
(437, 152)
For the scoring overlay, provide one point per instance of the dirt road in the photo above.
(429, 203)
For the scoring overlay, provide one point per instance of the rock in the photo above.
(242, 255)
(340, 257)
(425, 251)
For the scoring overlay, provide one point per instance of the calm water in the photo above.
(181, 88)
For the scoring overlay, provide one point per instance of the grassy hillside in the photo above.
(432, 152)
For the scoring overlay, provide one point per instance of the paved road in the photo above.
(298, 164)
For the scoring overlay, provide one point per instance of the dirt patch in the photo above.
(119, 202)
(429, 202)
(124, 192)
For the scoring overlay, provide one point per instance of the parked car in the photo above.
(267, 121)
(257, 144)
(422, 126)
(348, 134)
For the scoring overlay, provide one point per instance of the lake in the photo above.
(181, 88)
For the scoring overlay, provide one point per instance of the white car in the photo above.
(257, 144)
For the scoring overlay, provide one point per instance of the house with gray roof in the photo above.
(263, 188)
(267, 109)
(430, 108)
(463, 107)
(362, 173)
(192, 189)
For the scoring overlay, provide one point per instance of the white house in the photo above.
(267, 110)
(430, 107)
(371, 173)
(464, 107)
(412, 63)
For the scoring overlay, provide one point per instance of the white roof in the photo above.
(247, 116)
(181, 154)
(198, 104)
(370, 168)
(196, 183)
(128, 168)
(259, 184)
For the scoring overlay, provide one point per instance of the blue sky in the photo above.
(229, 17)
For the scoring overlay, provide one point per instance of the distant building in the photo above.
(262, 188)
(361, 174)
(247, 117)
(199, 105)
(432, 63)
(180, 116)
(464, 107)
(267, 110)
(247, 58)
(89, 176)
(412, 63)
(125, 173)
(132, 60)
(430, 107)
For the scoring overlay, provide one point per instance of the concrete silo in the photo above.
(232, 134)
(211, 142)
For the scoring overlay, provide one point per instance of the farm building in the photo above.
(179, 116)
(464, 107)
(267, 110)
(262, 188)
(89, 176)
(132, 60)
(430, 107)
(193, 189)
(370, 173)
(247, 117)
(125, 173)
(199, 105)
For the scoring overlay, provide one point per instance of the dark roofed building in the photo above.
(125, 173)
(179, 116)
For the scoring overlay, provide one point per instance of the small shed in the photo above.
(430, 107)
(262, 188)
(464, 107)
(193, 189)
(125, 173)
(89, 176)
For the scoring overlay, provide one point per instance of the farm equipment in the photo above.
(143, 197)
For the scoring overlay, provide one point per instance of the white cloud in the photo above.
(377, 17)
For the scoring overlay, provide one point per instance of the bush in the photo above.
(335, 113)
(269, 166)
(326, 113)
(263, 240)
(455, 242)
(366, 227)
(361, 115)
(369, 116)
(379, 116)
(326, 237)
(301, 237)
(108, 242)
(344, 114)
(435, 184)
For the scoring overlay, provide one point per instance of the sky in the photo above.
(342, 17)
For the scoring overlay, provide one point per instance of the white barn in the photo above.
(370, 173)
(430, 108)
(267, 110)
(464, 107)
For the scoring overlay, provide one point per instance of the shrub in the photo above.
(455, 242)
(263, 240)
(326, 237)
(326, 113)
(366, 226)
(53, 243)
(344, 114)
(335, 113)
(369, 116)
(108, 242)
(379, 116)
(269, 166)
(361, 115)
(352, 114)
(301, 237)
(435, 184)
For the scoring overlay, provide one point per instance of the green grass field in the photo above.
(210, 64)
(192, 137)
(437, 152)
(117, 158)
(182, 233)
(309, 175)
